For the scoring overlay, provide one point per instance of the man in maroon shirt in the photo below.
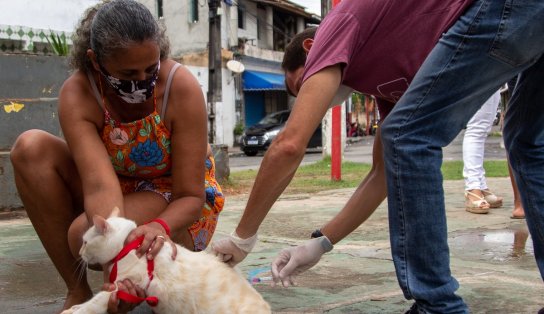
(437, 61)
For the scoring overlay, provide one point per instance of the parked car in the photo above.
(258, 137)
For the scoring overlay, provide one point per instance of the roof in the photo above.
(291, 7)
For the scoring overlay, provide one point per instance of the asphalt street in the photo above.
(360, 150)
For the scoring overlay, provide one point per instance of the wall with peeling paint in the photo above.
(29, 88)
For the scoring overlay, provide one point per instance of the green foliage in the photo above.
(356, 97)
(496, 168)
(316, 177)
(58, 43)
(238, 129)
(453, 170)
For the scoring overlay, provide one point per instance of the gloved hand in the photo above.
(233, 249)
(295, 260)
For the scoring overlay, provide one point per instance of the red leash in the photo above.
(122, 295)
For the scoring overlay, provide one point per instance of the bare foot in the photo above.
(77, 296)
(518, 213)
(520, 239)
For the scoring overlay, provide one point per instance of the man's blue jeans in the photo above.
(492, 42)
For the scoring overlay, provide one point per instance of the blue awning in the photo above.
(262, 81)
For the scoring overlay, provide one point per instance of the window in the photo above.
(159, 9)
(192, 14)
(241, 17)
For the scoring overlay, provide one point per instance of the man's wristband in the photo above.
(163, 224)
(324, 241)
(316, 234)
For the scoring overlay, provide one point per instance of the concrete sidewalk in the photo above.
(490, 256)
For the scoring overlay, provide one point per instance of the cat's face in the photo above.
(103, 241)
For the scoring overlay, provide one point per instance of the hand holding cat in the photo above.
(155, 237)
(118, 306)
(295, 260)
(233, 249)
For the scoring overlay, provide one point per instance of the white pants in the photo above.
(474, 143)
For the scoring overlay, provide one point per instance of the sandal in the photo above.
(493, 200)
(479, 206)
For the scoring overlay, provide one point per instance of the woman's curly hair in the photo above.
(111, 25)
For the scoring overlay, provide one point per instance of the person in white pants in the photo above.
(478, 197)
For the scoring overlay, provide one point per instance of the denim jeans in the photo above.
(490, 43)
(474, 139)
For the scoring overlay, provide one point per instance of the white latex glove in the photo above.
(233, 249)
(295, 260)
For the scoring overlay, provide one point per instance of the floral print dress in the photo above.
(140, 154)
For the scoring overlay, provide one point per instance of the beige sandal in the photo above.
(479, 206)
(493, 200)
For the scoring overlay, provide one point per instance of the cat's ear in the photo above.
(115, 212)
(100, 224)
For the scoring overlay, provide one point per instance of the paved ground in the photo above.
(491, 256)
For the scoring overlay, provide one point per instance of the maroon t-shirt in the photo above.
(381, 43)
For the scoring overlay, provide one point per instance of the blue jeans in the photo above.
(492, 41)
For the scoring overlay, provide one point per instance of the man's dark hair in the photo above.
(295, 56)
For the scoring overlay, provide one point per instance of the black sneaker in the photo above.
(415, 309)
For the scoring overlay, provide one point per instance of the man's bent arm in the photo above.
(288, 148)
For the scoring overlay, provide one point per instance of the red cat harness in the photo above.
(122, 295)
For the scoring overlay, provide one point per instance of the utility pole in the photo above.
(214, 65)
(334, 116)
(325, 8)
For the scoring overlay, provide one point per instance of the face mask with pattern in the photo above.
(132, 91)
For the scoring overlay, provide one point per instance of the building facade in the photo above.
(253, 32)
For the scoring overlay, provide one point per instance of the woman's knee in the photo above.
(31, 147)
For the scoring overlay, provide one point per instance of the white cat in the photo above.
(192, 283)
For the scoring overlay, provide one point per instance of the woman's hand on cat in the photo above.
(118, 306)
(233, 249)
(154, 239)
